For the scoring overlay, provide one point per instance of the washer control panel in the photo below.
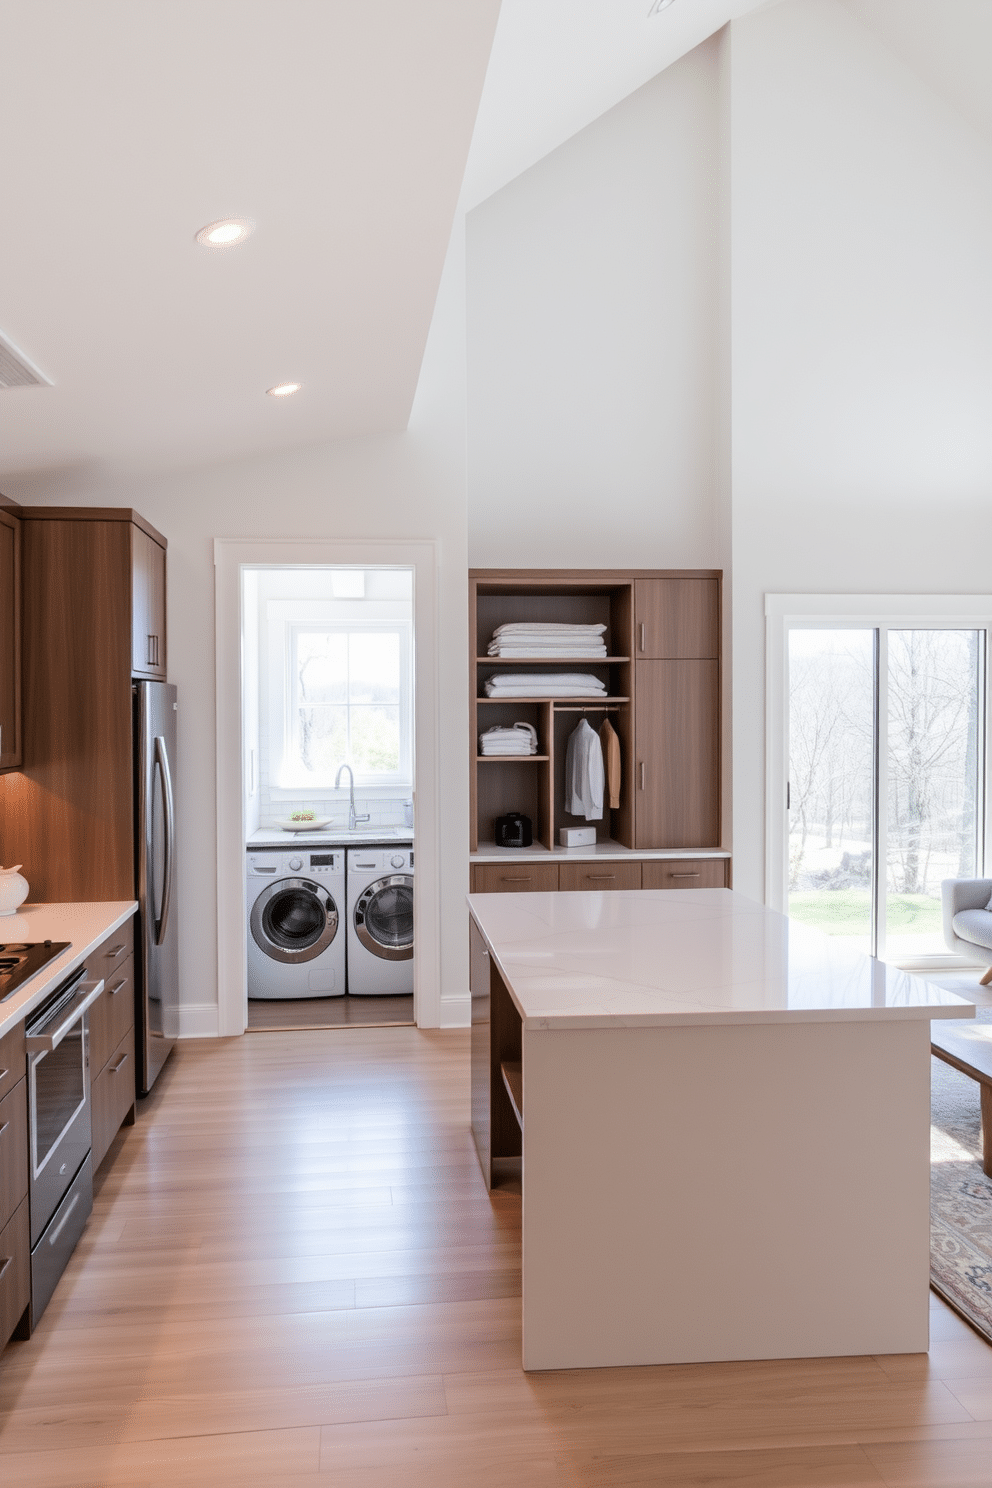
(316, 865)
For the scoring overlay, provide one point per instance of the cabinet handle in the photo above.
(153, 650)
(3, 1269)
(591, 876)
(641, 769)
(683, 875)
(119, 1065)
(4, 1128)
(113, 991)
(4, 1073)
(642, 635)
(520, 878)
(115, 951)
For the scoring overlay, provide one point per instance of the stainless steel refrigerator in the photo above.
(157, 1002)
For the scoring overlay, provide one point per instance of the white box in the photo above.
(577, 836)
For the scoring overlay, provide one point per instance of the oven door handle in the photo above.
(44, 1042)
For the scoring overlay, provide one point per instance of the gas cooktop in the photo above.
(19, 960)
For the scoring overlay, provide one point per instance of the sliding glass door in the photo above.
(886, 748)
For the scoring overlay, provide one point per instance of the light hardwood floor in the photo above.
(294, 1276)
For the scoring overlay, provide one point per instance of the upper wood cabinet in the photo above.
(10, 641)
(677, 619)
(147, 605)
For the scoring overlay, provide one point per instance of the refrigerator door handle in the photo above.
(162, 760)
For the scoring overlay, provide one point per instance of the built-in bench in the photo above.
(970, 1051)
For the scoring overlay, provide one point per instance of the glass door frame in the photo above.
(880, 613)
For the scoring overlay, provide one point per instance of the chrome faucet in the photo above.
(353, 816)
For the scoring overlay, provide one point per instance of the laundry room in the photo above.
(328, 700)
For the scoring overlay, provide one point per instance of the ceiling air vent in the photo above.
(16, 370)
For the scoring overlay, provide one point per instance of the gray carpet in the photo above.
(960, 1193)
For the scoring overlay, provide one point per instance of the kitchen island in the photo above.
(723, 1118)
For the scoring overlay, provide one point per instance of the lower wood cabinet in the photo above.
(13, 1150)
(600, 873)
(687, 873)
(15, 1270)
(113, 1012)
(677, 754)
(573, 876)
(522, 878)
(112, 1094)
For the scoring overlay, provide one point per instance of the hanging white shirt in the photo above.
(584, 773)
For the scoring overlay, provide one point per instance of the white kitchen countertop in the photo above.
(83, 925)
(648, 958)
(488, 852)
(331, 836)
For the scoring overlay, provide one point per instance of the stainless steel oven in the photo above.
(59, 1128)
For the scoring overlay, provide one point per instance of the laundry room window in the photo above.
(350, 691)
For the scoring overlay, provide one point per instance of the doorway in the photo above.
(333, 709)
(883, 775)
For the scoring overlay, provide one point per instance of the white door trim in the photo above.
(231, 556)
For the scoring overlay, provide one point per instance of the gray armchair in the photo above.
(967, 922)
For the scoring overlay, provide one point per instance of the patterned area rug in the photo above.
(960, 1195)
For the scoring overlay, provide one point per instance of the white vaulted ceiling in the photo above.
(340, 126)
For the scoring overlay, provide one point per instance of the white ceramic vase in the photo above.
(13, 890)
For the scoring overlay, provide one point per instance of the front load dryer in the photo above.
(380, 921)
(296, 933)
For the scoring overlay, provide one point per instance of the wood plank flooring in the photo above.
(269, 1015)
(294, 1276)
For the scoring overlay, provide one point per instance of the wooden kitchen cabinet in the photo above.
(112, 1063)
(10, 641)
(13, 1150)
(677, 619)
(514, 878)
(86, 585)
(112, 1094)
(685, 873)
(599, 875)
(15, 1271)
(677, 754)
(147, 605)
(15, 1243)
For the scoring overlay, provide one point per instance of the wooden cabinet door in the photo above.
(685, 873)
(13, 1151)
(677, 754)
(112, 1096)
(677, 619)
(15, 1270)
(514, 878)
(147, 605)
(10, 641)
(599, 875)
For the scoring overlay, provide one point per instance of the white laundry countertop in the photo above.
(648, 958)
(331, 836)
(83, 925)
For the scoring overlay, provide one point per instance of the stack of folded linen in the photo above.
(545, 685)
(532, 638)
(520, 739)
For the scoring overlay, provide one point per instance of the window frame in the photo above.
(882, 613)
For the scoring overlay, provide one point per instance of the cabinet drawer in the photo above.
(12, 1059)
(13, 1150)
(599, 876)
(112, 1014)
(111, 953)
(522, 878)
(113, 1096)
(15, 1271)
(685, 873)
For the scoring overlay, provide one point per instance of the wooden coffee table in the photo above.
(970, 1051)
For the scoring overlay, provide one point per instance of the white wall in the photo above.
(592, 341)
(404, 485)
(861, 322)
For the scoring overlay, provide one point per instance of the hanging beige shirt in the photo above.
(610, 741)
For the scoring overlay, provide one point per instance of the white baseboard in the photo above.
(198, 1020)
(456, 1012)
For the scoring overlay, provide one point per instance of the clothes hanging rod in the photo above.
(591, 708)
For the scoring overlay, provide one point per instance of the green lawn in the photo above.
(848, 912)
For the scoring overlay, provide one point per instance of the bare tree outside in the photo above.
(929, 775)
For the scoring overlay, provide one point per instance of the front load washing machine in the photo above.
(296, 934)
(380, 921)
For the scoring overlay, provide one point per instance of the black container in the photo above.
(513, 830)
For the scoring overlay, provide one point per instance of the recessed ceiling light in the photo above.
(659, 5)
(226, 234)
(283, 389)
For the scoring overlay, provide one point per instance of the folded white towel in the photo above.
(543, 686)
(548, 653)
(570, 679)
(521, 739)
(551, 627)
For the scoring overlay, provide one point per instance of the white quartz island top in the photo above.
(649, 958)
(83, 925)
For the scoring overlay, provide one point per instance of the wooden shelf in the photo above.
(550, 660)
(565, 703)
(513, 1079)
(527, 759)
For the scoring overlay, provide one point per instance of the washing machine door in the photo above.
(384, 917)
(294, 920)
